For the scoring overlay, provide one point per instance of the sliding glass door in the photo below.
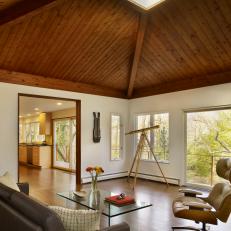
(208, 137)
(64, 143)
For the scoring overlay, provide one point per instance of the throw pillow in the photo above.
(9, 181)
(81, 220)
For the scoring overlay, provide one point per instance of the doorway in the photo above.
(64, 143)
(49, 135)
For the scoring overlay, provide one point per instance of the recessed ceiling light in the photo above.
(20, 116)
(146, 4)
(59, 103)
(28, 114)
(36, 109)
(37, 112)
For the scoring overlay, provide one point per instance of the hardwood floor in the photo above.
(45, 183)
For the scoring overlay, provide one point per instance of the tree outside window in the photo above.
(159, 138)
(208, 140)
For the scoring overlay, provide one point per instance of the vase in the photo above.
(94, 186)
(94, 199)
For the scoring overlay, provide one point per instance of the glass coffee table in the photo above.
(95, 201)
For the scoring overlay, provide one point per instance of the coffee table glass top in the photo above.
(96, 201)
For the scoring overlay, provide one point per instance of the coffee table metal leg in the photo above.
(109, 218)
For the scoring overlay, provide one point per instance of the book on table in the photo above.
(127, 200)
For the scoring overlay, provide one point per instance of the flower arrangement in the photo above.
(94, 172)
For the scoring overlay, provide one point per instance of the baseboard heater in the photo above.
(156, 176)
(107, 176)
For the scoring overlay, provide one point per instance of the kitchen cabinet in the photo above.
(23, 153)
(35, 155)
(45, 124)
(42, 156)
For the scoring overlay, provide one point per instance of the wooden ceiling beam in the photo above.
(25, 8)
(184, 84)
(45, 82)
(138, 51)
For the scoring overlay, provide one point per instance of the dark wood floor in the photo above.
(44, 184)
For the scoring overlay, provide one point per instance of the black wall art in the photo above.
(96, 129)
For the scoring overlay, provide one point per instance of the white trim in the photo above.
(153, 161)
(209, 108)
(146, 6)
(87, 179)
(185, 148)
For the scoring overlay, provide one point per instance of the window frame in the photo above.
(121, 137)
(135, 125)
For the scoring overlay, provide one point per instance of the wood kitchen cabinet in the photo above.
(23, 154)
(37, 156)
(45, 124)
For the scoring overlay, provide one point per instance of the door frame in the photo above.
(78, 131)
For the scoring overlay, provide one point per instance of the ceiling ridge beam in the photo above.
(21, 10)
(143, 21)
(184, 84)
(58, 84)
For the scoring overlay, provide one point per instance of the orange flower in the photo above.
(99, 170)
(89, 169)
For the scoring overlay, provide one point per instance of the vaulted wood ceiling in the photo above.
(108, 47)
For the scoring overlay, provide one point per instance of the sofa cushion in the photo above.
(9, 181)
(36, 212)
(6, 192)
(81, 220)
(11, 219)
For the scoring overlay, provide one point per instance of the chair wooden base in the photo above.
(192, 228)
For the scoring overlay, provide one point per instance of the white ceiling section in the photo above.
(146, 4)
(27, 105)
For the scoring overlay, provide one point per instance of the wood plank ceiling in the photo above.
(91, 46)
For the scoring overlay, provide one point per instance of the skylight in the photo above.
(146, 4)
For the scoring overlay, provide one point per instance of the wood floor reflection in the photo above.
(45, 183)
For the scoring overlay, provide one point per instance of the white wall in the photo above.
(175, 103)
(99, 153)
(92, 154)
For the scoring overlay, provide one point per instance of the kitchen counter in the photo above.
(37, 145)
(35, 155)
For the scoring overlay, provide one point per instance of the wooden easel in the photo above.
(140, 146)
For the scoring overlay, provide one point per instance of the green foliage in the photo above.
(208, 139)
(64, 138)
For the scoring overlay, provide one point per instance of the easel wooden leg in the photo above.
(138, 149)
(137, 167)
(133, 163)
(156, 159)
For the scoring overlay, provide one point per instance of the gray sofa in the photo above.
(19, 212)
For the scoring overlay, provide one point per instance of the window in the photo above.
(29, 133)
(159, 138)
(208, 139)
(116, 137)
(65, 143)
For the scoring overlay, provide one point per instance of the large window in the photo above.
(116, 144)
(65, 143)
(29, 133)
(208, 140)
(159, 138)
